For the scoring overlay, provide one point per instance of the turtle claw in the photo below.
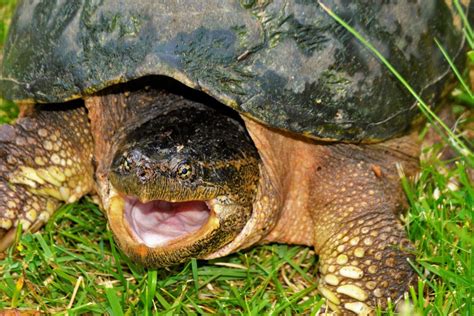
(366, 265)
(18, 205)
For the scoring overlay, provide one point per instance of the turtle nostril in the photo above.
(145, 174)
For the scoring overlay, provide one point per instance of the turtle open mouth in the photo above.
(156, 223)
(160, 233)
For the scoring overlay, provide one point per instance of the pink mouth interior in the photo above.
(155, 223)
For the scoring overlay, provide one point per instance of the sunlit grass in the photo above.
(8, 110)
(76, 248)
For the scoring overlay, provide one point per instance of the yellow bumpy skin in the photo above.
(45, 160)
(364, 252)
(345, 200)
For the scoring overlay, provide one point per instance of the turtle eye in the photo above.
(184, 171)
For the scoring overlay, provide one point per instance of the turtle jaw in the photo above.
(210, 226)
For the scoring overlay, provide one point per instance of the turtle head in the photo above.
(183, 184)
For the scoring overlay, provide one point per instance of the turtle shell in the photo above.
(287, 64)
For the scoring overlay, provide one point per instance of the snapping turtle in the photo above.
(327, 125)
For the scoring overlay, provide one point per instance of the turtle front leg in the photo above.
(363, 248)
(45, 160)
(344, 199)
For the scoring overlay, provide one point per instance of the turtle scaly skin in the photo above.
(45, 160)
(349, 207)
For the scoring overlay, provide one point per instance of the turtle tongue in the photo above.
(155, 223)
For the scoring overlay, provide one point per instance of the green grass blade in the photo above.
(151, 289)
(16, 294)
(467, 26)
(114, 301)
(194, 268)
(455, 70)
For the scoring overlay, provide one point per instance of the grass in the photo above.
(76, 250)
(8, 110)
(72, 266)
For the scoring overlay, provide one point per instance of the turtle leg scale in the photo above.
(365, 263)
(345, 200)
(363, 248)
(45, 160)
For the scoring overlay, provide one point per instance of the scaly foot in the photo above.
(45, 160)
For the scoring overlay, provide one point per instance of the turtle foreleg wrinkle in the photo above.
(45, 160)
(363, 248)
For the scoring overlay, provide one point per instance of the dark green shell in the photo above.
(285, 63)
